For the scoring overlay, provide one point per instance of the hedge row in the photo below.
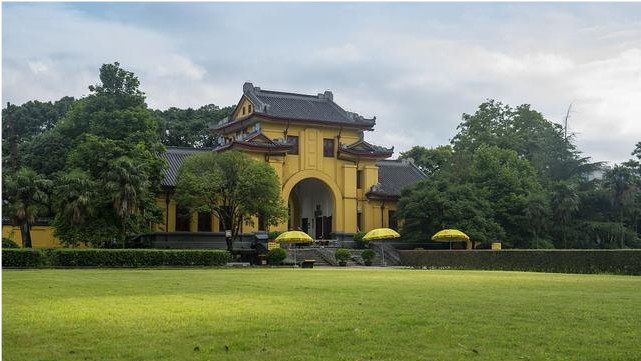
(128, 258)
(558, 261)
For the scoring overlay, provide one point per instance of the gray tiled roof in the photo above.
(395, 175)
(174, 156)
(319, 107)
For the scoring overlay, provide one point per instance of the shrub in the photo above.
(9, 243)
(560, 261)
(358, 239)
(368, 255)
(128, 258)
(342, 256)
(273, 234)
(276, 256)
(23, 258)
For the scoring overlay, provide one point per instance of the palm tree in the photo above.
(537, 212)
(76, 196)
(565, 201)
(126, 184)
(622, 183)
(25, 197)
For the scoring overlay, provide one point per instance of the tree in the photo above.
(24, 198)
(115, 156)
(233, 186)
(565, 202)
(126, 185)
(623, 184)
(429, 160)
(189, 127)
(436, 204)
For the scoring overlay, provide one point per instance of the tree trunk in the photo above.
(25, 230)
(621, 231)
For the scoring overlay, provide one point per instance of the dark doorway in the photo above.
(319, 228)
(327, 227)
(305, 225)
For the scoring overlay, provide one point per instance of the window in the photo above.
(393, 224)
(359, 179)
(328, 148)
(249, 108)
(183, 219)
(243, 110)
(292, 139)
(204, 221)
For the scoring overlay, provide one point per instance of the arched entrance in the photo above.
(311, 208)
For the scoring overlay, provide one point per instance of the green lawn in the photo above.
(331, 314)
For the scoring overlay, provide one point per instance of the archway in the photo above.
(312, 208)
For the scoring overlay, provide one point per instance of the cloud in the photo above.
(417, 67)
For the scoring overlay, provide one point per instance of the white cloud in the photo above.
(414, 68)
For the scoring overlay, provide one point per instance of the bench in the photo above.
(308, 263)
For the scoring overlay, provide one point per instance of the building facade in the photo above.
(334, 182)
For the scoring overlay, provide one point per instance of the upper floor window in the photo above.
(328, 147)
(292, 139)
(359, 179)
(243, 110)
(249, 108)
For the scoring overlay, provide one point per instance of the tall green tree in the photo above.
(565, 202)
(189, 127)
(233, 186)
(113, 142)
(24, 199)
(429, 160)
(622, 183)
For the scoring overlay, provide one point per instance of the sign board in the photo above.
(272, 245)
(227, 234)
(496, 246)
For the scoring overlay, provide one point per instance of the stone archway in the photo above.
(311, 208)
(304, 192)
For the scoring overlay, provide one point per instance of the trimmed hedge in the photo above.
(127, 258)
(557, 261)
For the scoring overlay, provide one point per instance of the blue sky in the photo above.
(416, 66)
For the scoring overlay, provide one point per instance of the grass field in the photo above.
(331, 314)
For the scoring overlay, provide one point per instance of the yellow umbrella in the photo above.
(381, 233)
(450, 235)
(293, 237)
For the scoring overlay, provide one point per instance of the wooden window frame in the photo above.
(295, 149)
(326, 150)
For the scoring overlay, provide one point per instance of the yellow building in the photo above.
(334, 182)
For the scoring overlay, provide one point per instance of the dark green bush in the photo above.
(358, 239)
(127, 258)
(368, 255)
(342, 256)
(273, 234)
(9, 243)
(276, 256)
(559, 261)
(23, 258)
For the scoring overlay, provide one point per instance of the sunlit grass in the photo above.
(331, 314)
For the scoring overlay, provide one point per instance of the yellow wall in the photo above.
(41, 236)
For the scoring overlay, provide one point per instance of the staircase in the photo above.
(310, 253)
(392, 258)
(325, 256)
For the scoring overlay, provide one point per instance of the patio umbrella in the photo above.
(450, 235)
(381, 233)
(293, 237)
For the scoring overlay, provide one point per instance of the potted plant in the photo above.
(368, 255)
(342, 256)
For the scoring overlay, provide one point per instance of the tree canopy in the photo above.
(233, 186)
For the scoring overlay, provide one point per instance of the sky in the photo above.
(417, 67)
